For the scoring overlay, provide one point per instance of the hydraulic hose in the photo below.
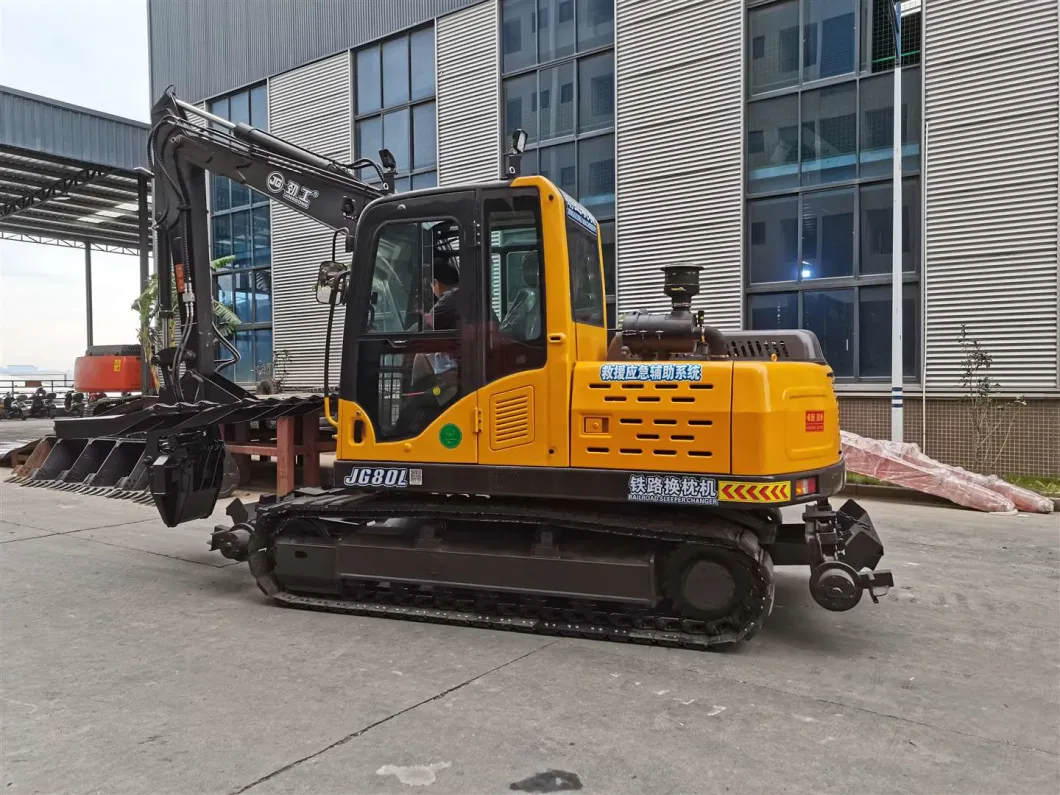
(334, 423)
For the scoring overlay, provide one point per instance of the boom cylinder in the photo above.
(280, 147)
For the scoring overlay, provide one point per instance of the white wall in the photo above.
(992, 92)
(309, 106)
(469, 95)
(679, 127)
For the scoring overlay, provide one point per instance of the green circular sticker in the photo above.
(450, 436)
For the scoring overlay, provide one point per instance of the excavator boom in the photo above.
(181, 152)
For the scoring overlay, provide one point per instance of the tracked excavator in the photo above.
(501, 462)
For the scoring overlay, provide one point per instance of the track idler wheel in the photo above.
(835, 586)
(705, 584)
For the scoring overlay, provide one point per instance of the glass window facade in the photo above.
(395, 107)
(558, 65)
(819, 190)
(240, 227)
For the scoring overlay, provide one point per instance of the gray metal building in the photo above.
(751, 137)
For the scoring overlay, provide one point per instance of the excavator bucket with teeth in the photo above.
(169, 454)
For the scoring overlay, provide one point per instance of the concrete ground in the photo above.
(135, 661)
(15, 433)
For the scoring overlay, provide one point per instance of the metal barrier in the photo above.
(16, 384)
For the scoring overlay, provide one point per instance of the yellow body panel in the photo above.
(515, 415)
(652, 426)
(553, 417)
(427, 448)
(785, 418)
(592, 342)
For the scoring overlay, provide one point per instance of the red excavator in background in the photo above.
(108, 369)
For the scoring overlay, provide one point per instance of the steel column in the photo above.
(88, 290)
(897, 324)
(145, 237)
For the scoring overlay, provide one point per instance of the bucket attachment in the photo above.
(186, 474)
(146, 451)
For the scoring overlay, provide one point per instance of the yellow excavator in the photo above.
(502, 461)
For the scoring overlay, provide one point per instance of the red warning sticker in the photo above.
(814, 421)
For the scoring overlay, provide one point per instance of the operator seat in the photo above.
(522, 323)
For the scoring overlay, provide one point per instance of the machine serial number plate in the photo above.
(384, 477)
(673, 489)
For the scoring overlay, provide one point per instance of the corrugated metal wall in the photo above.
(209, 47)
(311, 107)
(992, 89)
(468, 95)
(679, 127)
(39, 124)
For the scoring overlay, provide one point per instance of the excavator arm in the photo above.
(181, 152)
(172, 445)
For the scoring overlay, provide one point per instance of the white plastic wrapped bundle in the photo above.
(905, 465)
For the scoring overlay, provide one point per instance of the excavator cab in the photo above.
(464, 303)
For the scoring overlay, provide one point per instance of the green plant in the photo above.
(272, 375)
(992, 417)
(862, 480)
(1048, 487)
(146, 305)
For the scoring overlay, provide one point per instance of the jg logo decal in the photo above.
(291, 190)
(276, 182)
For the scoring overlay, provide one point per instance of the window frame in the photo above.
(405, 176)
(255, 201)
(534, 149)
(572, 227)
(535, 351)
(425, 285)
(857, 280)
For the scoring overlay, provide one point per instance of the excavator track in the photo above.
(677, 535)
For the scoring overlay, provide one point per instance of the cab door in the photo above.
(414, 382)
(517, 428)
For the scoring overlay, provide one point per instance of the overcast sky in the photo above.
(91, 53)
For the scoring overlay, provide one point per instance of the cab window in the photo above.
(586, 281)
(516, 284)
(409, 361)
(416, 264)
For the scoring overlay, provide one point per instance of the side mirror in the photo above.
(331, 280)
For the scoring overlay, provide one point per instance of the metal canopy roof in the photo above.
(68, 174)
